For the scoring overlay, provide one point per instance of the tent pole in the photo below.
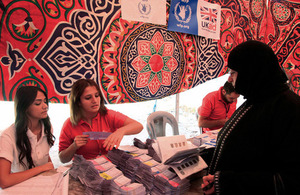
(177, 107)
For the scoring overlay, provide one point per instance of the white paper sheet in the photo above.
(39, 185)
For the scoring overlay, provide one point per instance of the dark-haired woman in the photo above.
(24, 146)
(88, 113)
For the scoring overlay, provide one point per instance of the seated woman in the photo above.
(24, 146)
(88, 113)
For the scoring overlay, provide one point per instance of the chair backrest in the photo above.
(156, 124)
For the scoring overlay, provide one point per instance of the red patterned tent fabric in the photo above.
(53, 43)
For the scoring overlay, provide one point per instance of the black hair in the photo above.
(228, 87)
(24, 97)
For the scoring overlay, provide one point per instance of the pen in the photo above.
(62, 176)
(60, 179)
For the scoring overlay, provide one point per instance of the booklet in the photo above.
(179, 154)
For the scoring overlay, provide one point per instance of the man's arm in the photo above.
(204, 122)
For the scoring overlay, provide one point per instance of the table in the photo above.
(76, 188)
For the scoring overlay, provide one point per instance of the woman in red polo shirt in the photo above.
(88, 113)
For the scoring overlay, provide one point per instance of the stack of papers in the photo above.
(144, 175)
(133, 188)
(206, 140)
(131, 168)
(139, 144)
(100, 176)
(168, 182)
(152, 174)
(118, 183)
(159, 168)
(152, 152)
(115, 156)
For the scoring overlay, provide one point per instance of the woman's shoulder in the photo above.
(114, 114)
(67, 123)
(110, 112)
(9, 132)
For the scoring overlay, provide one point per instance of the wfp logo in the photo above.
(144, 7)
(209, 18)
(182, 12)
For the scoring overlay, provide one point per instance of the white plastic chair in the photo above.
(156, 124)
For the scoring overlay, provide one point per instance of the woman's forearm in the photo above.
(67, 154)
(8, 179)
(131, 127)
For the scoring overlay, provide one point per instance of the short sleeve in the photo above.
(206, 108)
(116, 119)
(7, 146)
(65, 139)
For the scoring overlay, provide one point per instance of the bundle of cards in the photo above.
(104, 167)
(149, 142)
(133, 150)
(144, 175)
(153, 153)
(159, 168)
(122, 164)
(133, 188)
(119, 182)
(90, 177)
(131, 168)
(138, 143)
(206, 140)
(143, 157)
(115, 156)
(183, 185)
(162, 182)
(74, 170)
(102, 164)
(102, 188)
(111, 174)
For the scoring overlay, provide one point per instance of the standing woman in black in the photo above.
(257, 149)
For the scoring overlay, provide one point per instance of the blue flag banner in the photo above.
(195, 17)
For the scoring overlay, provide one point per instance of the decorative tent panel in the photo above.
(54, 43)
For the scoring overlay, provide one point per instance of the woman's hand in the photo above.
(207, 185)
(48, 166)
(80, 140)
(113, 140)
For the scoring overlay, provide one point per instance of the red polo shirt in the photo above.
(107, 123)
(214, 107)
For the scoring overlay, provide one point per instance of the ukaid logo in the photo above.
(209, 16)
(195, 17)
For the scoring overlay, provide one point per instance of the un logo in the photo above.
(183, 12)
(144, 8)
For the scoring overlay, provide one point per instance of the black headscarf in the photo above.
(259, 73)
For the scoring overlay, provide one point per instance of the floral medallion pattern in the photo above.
(52, 44)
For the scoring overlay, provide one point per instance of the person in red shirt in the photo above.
(217, 107)
(88, 113)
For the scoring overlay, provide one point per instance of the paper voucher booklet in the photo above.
(179, 154)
